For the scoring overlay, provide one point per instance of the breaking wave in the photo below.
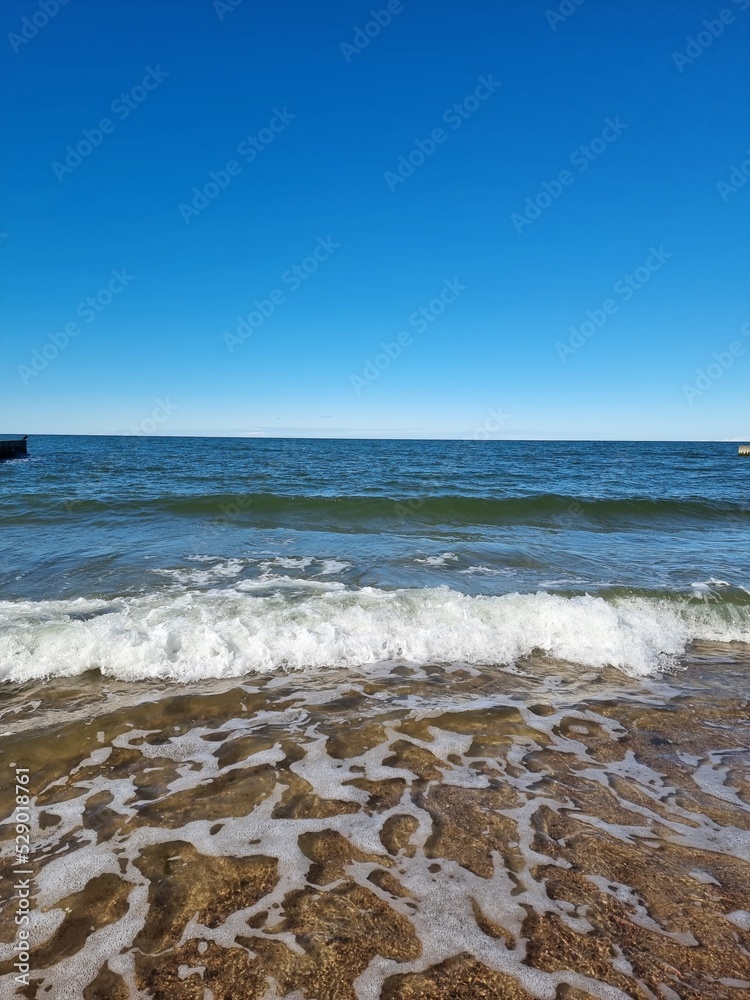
(190, 635)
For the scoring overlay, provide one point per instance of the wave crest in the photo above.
(196, 635)
(551, 508)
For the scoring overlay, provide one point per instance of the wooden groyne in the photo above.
(744, 450)
(13, 447)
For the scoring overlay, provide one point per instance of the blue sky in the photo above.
(117, 117)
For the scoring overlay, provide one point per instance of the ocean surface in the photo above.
(374, 720)
(193, 558)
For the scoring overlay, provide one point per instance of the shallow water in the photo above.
(400, 831)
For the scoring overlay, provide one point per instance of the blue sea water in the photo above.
(198, 557)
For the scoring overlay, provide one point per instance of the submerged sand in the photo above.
(401, 832)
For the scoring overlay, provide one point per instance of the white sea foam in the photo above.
(319, 567)
(331, 566)
(271, 581)
(286, 562)
(215, 569)
(439, 560)
(221, 569)
(230, 632)
(484, 571)
(709, 589)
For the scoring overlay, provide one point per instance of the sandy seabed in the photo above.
(400, 832)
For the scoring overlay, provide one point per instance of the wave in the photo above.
(214, 569)
(194, 635)
(551, 509)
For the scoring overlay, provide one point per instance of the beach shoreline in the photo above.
(398, 831)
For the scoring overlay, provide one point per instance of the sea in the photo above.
(189, 558)
(374, 719)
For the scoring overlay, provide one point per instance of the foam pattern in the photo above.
(461, 814)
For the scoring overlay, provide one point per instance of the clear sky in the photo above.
(376, 186)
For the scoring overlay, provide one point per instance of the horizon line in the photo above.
(226, 436)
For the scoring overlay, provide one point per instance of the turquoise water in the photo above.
(201, 557)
